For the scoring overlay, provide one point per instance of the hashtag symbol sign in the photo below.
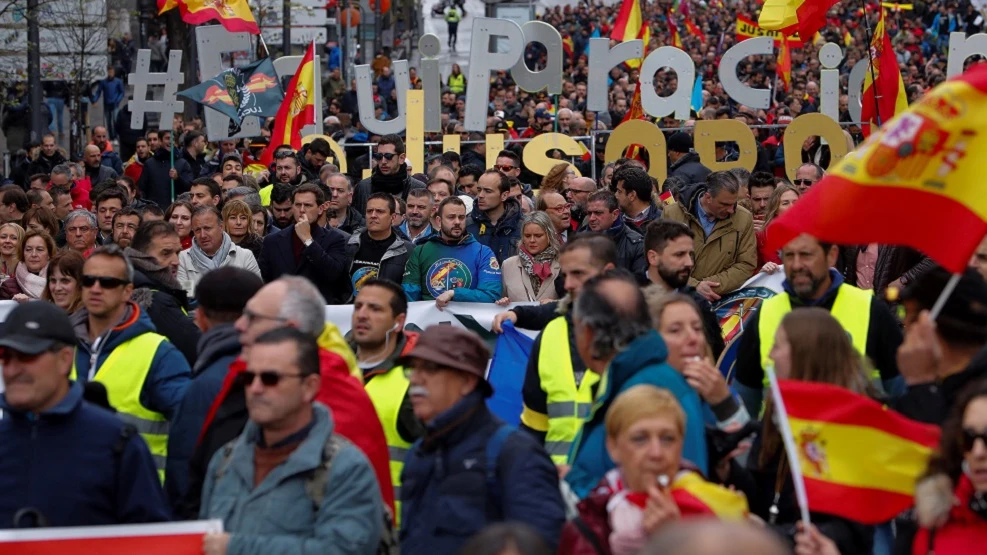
(142, 76)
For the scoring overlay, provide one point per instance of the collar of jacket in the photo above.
(647, 350)
(66, 406)
(305, 458)
(406, 341)
(508, 220)
(134, 322)
(823, 300)
(617, 229)
(453, 425)
(221, 340)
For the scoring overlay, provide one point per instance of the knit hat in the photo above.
(964, 316)
(680, 142)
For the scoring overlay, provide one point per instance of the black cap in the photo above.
(680, 142)
(34, 327)
(963, 318)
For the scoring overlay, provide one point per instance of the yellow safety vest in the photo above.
(457, 83)
(452, 16)
(568, 405)
(851, 309)
(123, 374)
(387, 391)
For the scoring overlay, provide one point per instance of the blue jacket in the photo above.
(218, 348)
(111, 90)
(467, 267)
(169, 376)
(642, 362)
(70, 464)
(278, 515)
(111, 159)
(503, 237)
(444, 498)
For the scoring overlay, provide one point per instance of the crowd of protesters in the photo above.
(189, 297)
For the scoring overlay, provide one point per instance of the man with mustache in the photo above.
(670, 251)
(452, 265)
(489, 472)
(810, 280)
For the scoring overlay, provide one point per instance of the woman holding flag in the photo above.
(651, 485)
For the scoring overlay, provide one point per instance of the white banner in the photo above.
(422, 314)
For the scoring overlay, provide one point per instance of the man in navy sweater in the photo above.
(64, 461)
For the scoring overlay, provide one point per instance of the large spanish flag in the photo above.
(789, 16)
(297, 109)
(929, 156)
(859, 459)
(884, 90)
(630, 25)
(235, 15)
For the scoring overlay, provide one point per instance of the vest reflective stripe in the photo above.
(851, 309)
(123, 374)
(568, 405)
(387, 391)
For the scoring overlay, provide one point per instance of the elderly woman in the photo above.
(64, 287)
(11, 236)
(645, 429)
(31, 273)
(530, 275)
(237, 224)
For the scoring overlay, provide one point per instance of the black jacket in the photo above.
(168, 309)
(353, 222)
(536, 317)
(932, 402)
(323, 262)
(364, 189)
(44, 164)
(689, 169)
(154, 183)
(630, 247)
(391, 264)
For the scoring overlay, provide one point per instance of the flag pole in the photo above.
(794, 464)
(954, 280)
(870, 58)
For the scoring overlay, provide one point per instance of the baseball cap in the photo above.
(33, 328)
(680, 142)
(542, 113)
(455, 348)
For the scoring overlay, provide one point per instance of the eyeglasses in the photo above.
(106, 282)
(284, 154)
(504, 169)
(806, 182)
(428, 368)
(970, 438)
(250, 315)
(385, 155)
(268, 378)
(561, 208)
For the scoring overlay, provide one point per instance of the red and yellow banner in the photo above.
(805, 17)
(234, 15)
(884, 90)
(929, 156)
(748, 28)
(297, 110)
(859, 460)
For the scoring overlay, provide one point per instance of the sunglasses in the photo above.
(504, 169)
(106, 282)
(803, 182)
(970, 438)
(268, 378)
(385, 155)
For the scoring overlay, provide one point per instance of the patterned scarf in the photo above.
(538, 267)
(32, 285)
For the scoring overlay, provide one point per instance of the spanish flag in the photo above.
(694, 496)
(695, 31)
(790, 16)
(847, 38)
(930, 156)
(673, 32)
(783, 65)
(858, 459)
(630, 25)
(235, 15)
(635, 111)
(297, 110)
(567, 47)
(884, 91)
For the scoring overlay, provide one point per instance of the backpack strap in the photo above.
(224, 463)
(589, 535)
(315, 485)
(494, 445)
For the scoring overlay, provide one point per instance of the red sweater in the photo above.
(964, 531)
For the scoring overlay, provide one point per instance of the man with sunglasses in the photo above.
(85, 467)
(144, 374)
(509, 164)
(806, 176)
(390, 174)
(290, 483)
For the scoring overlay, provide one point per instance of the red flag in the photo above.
(673, 31)
(297, 109)
(695, 30)
(884, 89)
(929, 156)
(783, 66)
(636, 111)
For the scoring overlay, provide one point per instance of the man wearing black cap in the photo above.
(489, 474)
(214, 163)
(223, 294)
(683, 162)
(64, 462)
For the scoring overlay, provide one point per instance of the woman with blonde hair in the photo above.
(557, 179)
(11, 236)
(530, 275)
(782, 199)
(645, 429)
(237, 223)
(31, 274)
